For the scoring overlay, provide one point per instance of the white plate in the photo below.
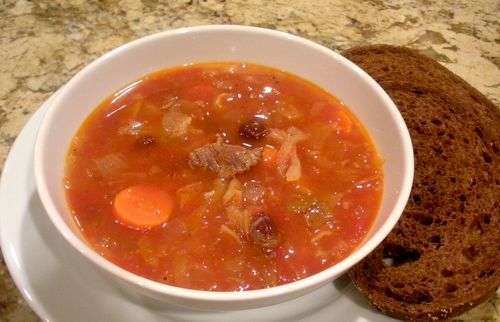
(61, 285)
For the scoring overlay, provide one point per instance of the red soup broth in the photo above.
(223, 177)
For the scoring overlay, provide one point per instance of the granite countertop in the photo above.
(44, 43)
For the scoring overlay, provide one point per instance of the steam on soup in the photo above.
(223, 177)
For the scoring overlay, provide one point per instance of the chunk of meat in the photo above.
(175, 123)
(227, 160)
(233, 193)
(238, 220)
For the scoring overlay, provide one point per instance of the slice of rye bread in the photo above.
(443, 256)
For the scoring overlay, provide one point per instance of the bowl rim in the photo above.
(319, 278)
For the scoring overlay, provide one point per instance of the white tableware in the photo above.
(309, 60)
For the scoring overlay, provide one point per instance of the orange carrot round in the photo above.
(143, 206)
(269, 156)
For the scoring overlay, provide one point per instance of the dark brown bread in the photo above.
(443, 256)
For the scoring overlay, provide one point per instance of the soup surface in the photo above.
(223, 177)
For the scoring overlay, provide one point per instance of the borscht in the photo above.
(223, 177)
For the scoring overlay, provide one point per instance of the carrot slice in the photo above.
(143, 206)
(269, 156)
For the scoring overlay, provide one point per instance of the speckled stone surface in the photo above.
(44, 43)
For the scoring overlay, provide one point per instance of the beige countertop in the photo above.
(44, 43)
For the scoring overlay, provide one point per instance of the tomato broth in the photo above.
(223, 177)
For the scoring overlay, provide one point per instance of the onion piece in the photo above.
(288, 163)
(111, 164)
(294, 171)
(233, 193)
(225, 229)
(175, 123)
(319, 235)
(215, 195)
(223, 99)
(238, 220)
(188, 192)
(131, 128)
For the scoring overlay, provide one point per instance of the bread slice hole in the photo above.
(487, 157)
(470, 253)
(422, 218)
(451, 288)
(399, 285)
(494, 147)
(437, 149)
(395, 255)
(488, 273)
(425, 220)
(436, 122)
(479, 224)
(479, 131)
(447, 273)
(436, 240)
(415, 297)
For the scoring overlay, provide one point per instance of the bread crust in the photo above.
(443, 256)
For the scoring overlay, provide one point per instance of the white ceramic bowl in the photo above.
(307, 59)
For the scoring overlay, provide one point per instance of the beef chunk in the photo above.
(226, 160)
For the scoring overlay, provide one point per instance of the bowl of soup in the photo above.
(223, 167)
